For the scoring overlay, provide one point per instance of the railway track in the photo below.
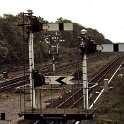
(96, 84)
(30, 122)
(76, 97)
(13, 83)
(47, 70)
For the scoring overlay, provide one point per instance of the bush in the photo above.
(78, 74)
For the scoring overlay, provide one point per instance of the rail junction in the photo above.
(43, 102)
(68, 106)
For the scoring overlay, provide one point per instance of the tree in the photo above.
(3, 54)
(13, 48)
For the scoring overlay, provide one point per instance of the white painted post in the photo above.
(83, 38)
(31, 67)
(31, 64)
(85, 82)
(54, 69)
(106, 85)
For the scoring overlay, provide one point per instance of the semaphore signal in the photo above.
(117, 47)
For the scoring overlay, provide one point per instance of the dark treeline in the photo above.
(13, 48)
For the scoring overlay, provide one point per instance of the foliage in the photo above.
(14, 47)
(78, 74)
(96, 36)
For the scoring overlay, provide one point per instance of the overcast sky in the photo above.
(104, 15)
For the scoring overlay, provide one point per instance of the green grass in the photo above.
(111, 104)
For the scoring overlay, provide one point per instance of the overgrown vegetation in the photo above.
(14, 49)
(110, 107)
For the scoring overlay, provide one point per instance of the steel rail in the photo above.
(92, 87)
(13, 83)
(47, 70)
(108, 68)
(68, 99)
(20, 80)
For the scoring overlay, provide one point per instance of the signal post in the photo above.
(82, 37)
(36, 26)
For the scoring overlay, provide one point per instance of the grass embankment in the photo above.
(112, 107)
(111, 104)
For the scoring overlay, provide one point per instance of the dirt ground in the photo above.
(10, 105)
